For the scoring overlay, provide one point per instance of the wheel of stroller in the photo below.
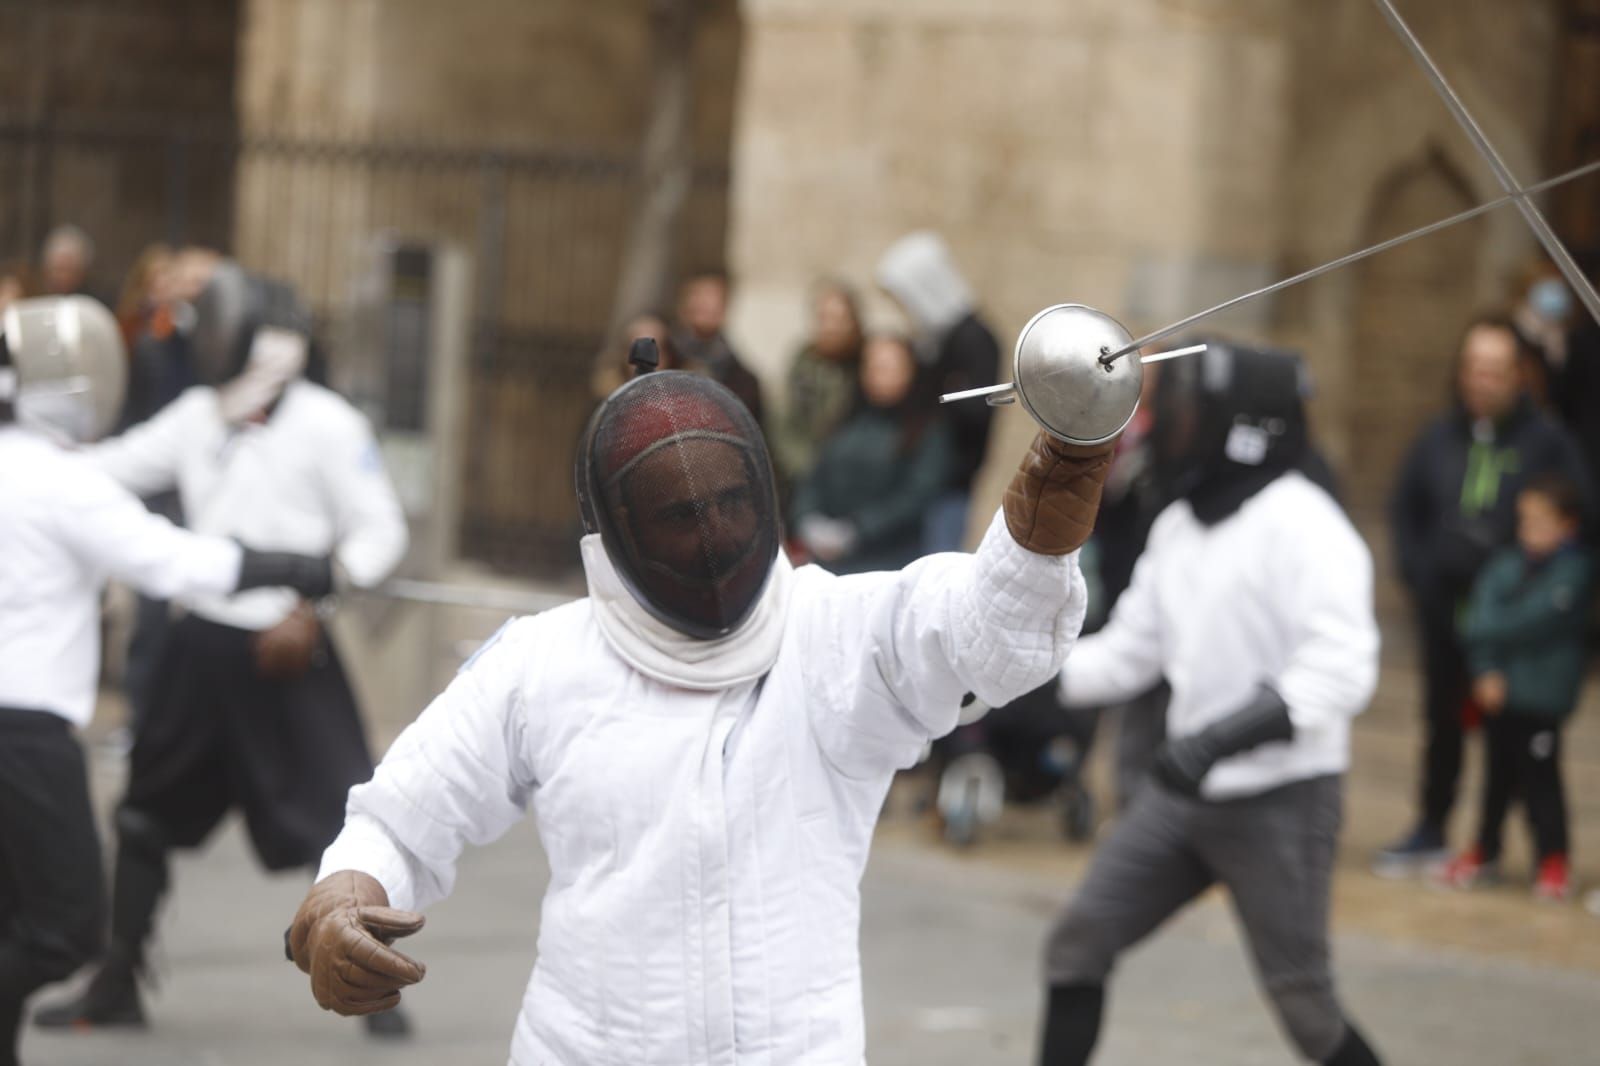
(1077, 814)
(961, 826)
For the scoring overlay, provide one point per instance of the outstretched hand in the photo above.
(341, 936)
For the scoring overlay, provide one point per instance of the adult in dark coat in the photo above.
(861, 508)
(952, 338)
(1453, 505)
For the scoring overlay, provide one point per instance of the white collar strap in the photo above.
(658, 651)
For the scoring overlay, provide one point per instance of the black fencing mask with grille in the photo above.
(673, 474)
(1229, 422)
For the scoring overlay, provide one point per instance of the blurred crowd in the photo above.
(1491, 514)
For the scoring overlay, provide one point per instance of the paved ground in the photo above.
(951, 946)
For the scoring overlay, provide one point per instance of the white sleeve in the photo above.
(458, 775)
(1325, 571)
(144, 459)
(372, 534)
(1124, 658)
(897, 652)
(111, 531)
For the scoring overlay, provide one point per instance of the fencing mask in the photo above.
(1228, 422)
(673, 474)
(63, 368)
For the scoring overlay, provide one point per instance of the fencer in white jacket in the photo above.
(1253, 598)
(706, 799)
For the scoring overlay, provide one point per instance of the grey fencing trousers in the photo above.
(1274, 852)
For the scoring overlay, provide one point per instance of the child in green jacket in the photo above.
(1524, 637)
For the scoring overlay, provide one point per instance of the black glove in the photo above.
(1181, 764)
(309, 575)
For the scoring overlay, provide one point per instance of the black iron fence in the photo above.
(544, 230)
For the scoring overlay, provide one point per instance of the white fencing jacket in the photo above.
(64, 529)
(706, 846)
(1278, 592)
(310, 479)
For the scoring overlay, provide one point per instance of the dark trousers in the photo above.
(1274, 852)
(1445, 685)
(1524, 763)
(51, 897)
(219, 737)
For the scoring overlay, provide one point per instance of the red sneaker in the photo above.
(1554, 883)
(1467, 870)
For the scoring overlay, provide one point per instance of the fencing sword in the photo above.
(1530, 212)
(1059, 345)
(1516, 196)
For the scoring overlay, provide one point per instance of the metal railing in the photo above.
(544, 227)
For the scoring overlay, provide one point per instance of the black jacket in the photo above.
(1455, 501)
(969, 357)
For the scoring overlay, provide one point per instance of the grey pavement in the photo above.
(951, 949)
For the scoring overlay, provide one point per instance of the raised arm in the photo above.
(116, 537)
(897, 652)
(144, 460)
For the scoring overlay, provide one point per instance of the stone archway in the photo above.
(1409, 307)
(1410, 304)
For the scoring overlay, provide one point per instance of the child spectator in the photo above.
(1524, 637)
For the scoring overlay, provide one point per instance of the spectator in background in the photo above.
(616, 369)
(861, 508)
(1543, 317)
(13, 284)
(822, 382)
(1577, 399)
(1524, 636)
(160, 368)
(699, 342)
(1453, 506)
(64, 263)
(919, 273)
(144, 312)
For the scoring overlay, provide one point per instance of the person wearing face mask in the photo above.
(705, 741)
(250, 708)
(1454, 505)
(65, 529)
(1543, 318)
(862, 507)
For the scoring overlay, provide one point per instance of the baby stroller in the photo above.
(1032, 750)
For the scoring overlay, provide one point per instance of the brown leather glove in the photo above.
(285, 652)
(1055, 495)
(341, 936)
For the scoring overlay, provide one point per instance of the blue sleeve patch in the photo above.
(485, 646)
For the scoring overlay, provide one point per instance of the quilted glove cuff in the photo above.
(1054, 496)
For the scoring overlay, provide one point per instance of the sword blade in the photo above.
(1502, 173)
(1355, 257)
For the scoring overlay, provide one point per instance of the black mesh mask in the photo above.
(673, 474)
(1229, 422)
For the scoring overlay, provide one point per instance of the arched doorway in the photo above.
(1410, 304)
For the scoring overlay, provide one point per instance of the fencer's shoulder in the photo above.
(1297, 497)
(1303, 514)
(329, 408)
(523, 645)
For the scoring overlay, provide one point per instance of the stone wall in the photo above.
(90, 92)
(1148, 157)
